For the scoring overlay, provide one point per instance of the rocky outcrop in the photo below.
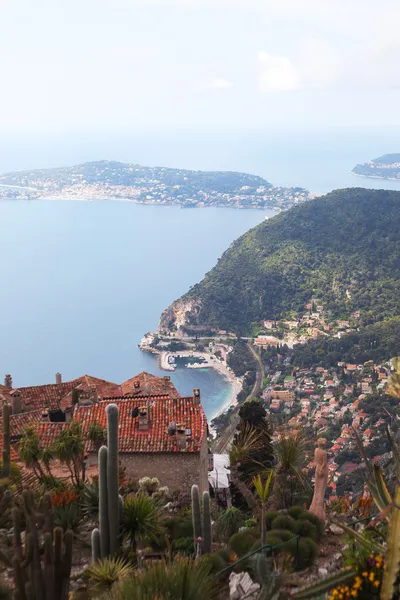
(178, 315)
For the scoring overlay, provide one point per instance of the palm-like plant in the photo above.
(97, 434)
(262, 488)
(69, 449)
(141, 518)
(30, 451)
(105, 572)
(90, 498)
(181, 580)
(291, 450)
(247, 441)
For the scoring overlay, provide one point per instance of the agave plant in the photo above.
(105, 572)
(181, 580)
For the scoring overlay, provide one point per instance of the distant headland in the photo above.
(111, 180)
(383, 167)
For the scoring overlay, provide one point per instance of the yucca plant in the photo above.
(262, 487)
(90, 498)
(141, 518)
(246, 442)
(181, 580)
(105, 572)
(229, 522)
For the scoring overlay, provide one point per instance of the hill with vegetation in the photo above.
(343, 249)
(383, 167)
(149, 185)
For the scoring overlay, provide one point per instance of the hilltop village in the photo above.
(328, 401)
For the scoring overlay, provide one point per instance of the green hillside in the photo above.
(343, 249)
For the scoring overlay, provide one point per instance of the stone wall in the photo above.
(178, 470)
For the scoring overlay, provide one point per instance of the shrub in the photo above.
(304, 553)
(283, 534)
(15, 472)
(214, 562)
(316, 521)
(90, 498)
(178, 527)
(270, 516)
(250, 523)
(224, 554)
(229, 523)
(272, 539)
(305, 528)
(255, 546)
(68, 516)
(105, 572)
(241, 542)
(283, 522)
(149, 485)
(295, 512)
(184, 546)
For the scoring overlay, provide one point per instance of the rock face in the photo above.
(178, 315)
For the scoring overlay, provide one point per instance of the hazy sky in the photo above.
(128, 65)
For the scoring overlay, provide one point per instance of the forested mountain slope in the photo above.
(343, 249)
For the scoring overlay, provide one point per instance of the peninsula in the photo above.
(383, 167)
(110, 180)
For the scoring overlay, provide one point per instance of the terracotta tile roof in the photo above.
(162, 410)
(45, 396)
(150, 385)
(103, 387)
(48, 432)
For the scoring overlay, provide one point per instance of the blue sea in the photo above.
(81, 282)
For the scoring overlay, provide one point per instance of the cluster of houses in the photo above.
(332, 400)
(161, 434)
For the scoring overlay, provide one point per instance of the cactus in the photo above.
(34, 578)
(317, 589)
(105, 540)
(201, 529)
(207, 534)
(6, 440)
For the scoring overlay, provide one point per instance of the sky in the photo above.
(169, 65)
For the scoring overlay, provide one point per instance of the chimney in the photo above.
(196, 395)
(16, 402)
(58, 378)
(45, 415)
(93, 394)
(136, 384)
(167, 378)
(8, 382)
(181, 437)
(143, 418)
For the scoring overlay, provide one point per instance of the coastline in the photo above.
(235, 383)
(375, 177)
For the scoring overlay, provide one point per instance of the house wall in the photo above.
(178, 470)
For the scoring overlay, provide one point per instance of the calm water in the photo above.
(83, 281)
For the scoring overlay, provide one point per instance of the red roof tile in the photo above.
(149, 385)
(45, 396)
(162, 410)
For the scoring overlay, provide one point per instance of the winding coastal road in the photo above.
(225, 440)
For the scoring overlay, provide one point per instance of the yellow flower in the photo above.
(365, 574)
(354, 593)
(371, 576)
(376, 583)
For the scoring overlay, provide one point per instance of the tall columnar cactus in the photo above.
(41, 568)
(105, 540)
(6, 440)
(201, 529)
(207, 534)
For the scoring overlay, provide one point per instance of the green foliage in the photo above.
(347, 240)
(149, 485)
(179, 527)
(250, 523)
(97, 434)
(305, 554)
(105, 572)
(180, 580)
(305, 528)
(273, 539)
(270, 516)
(315, 521)
(224, 554)
(316, 589)
(141, 518)
(295, 512)
(69, 517)
(90, 498)
(241, 542)
(283, 534)
(214, 562)
(283, 522)
(184, 546)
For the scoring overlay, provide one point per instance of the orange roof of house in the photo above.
(45, 396)
(162, 411)
(150, 385)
